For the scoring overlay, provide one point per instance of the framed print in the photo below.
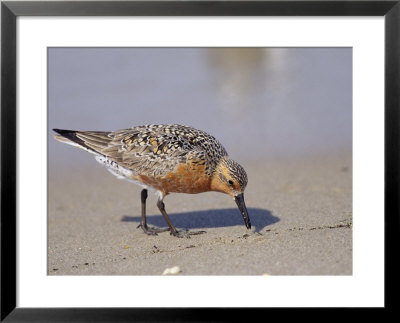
(298, 130)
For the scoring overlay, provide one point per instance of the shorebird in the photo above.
(167, 159)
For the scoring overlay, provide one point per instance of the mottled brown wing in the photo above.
(155, 149)
(166, 146)
(141, 150)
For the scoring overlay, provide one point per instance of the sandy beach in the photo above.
(300, 209)
(285, 114)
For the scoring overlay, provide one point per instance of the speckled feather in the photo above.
(154, 150)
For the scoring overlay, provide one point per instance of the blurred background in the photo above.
(285, 114)
(259, 102)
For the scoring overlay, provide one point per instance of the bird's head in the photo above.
(231, 178)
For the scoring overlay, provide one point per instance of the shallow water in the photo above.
(257, 102)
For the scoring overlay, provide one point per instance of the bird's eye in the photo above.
(230, 182)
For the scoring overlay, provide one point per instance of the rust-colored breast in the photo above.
(185, 178)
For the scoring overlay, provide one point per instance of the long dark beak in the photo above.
(239, 199)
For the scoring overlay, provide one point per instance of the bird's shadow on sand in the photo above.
(259, 218)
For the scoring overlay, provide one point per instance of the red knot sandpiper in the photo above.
(168, 159)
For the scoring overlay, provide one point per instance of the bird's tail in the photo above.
(70, 137)
(91, 141)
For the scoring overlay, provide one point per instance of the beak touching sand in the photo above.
(239, 199)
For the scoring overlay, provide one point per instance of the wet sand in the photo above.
(300, 209)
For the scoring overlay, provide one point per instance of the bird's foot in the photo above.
(185, 234)
(151, 230)
(195, 233)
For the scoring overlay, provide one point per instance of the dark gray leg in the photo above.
(173, 231)
(143, 222)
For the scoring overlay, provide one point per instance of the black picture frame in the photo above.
(10, 10)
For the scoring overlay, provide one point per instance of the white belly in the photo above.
(117, 170)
